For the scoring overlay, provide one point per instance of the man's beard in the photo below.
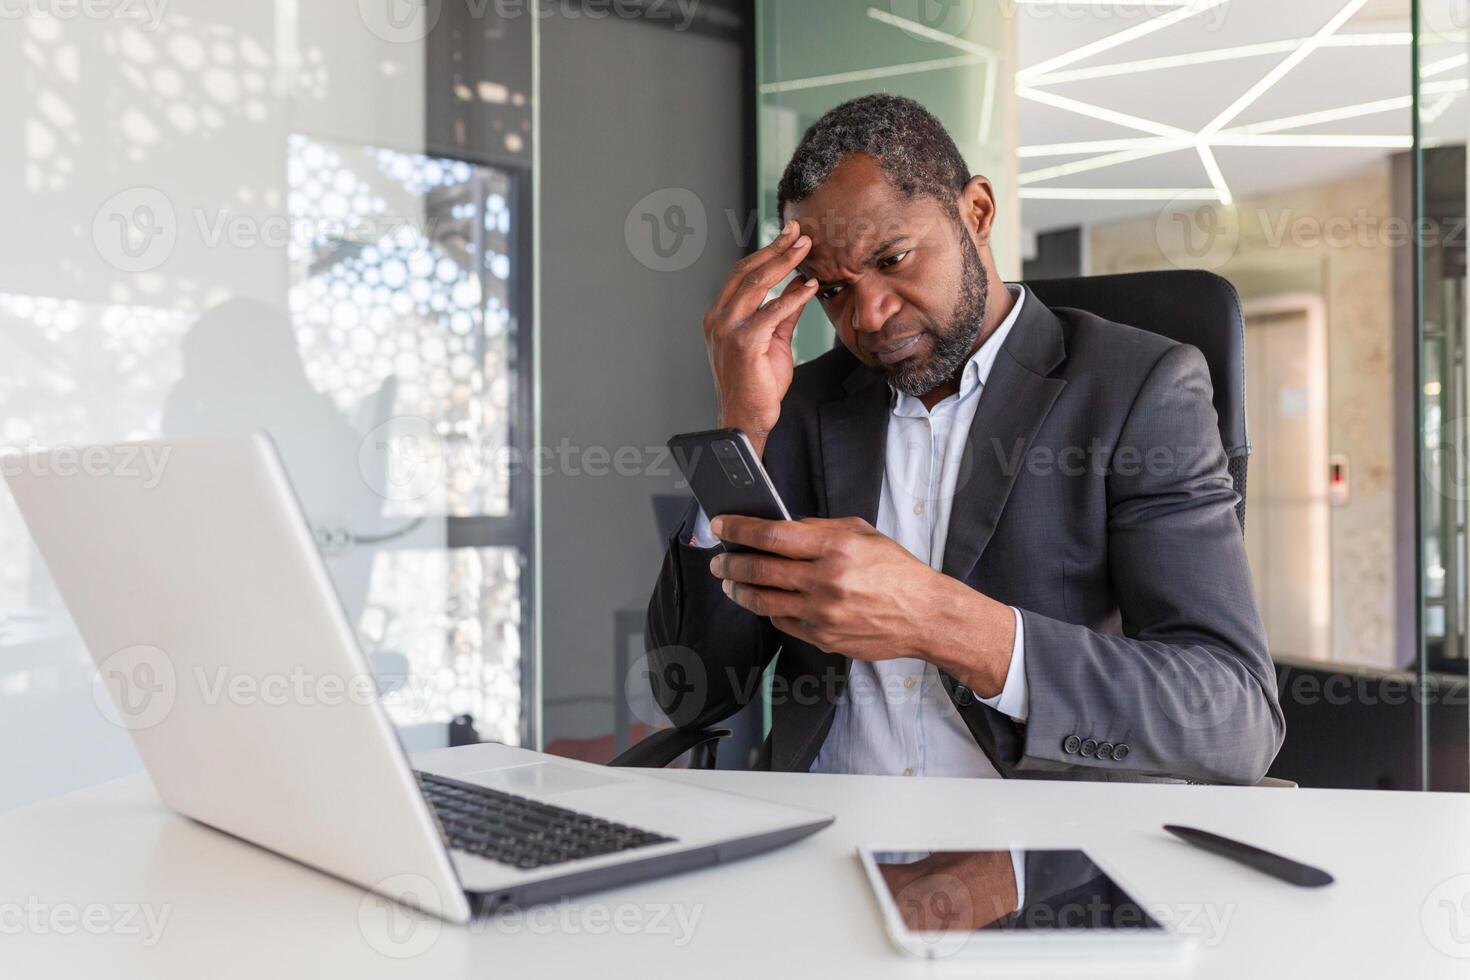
(955, 343)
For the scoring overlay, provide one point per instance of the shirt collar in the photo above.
(977, 369)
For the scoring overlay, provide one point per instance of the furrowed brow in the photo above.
(804, 270)
(877, 253)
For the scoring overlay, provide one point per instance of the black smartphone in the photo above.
(727, 477)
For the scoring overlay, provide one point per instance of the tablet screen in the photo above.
(1033, 891)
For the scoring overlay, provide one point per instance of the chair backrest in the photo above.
(1191, 306)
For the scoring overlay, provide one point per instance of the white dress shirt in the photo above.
(894, 717)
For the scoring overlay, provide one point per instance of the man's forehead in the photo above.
(856, 210)
(853, 233)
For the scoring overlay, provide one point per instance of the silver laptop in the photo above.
(198, 588)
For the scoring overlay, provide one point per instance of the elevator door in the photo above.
(1287, 495)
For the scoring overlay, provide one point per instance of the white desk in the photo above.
(1402, 862)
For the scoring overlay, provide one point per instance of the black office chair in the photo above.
(1187, 305)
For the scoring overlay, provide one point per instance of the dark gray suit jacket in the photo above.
(1093, 496)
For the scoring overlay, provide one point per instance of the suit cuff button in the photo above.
(1120, 751)
(1071, 744)
(1105, 750)
(1089, 748)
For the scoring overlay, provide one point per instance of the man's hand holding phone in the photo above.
(749, 340)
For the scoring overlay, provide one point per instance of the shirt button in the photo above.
(918, 508)
(908, 772)
(909, 682)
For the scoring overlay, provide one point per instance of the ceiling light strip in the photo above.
(928, 33)
(987, 110)
(1367, 40)
(1103, 113)
(1326, 115)
(1438, 108)
(1366, 141)
(868, 74)
(1212, 169)
(1114, 40)
(1444, 64)
(1098, 162)
(1112, 4)
(1287, 64)
(1092, 146)
(1213, 55)
(1118, 193)
(1448, 85)
(1166, 61)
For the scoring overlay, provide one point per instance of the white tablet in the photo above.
(1012, 904)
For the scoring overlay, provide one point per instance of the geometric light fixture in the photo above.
(1157, 138)
(1216, 132)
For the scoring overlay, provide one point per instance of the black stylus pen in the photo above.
(1293, 872)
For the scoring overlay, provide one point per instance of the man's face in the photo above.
(900, 279)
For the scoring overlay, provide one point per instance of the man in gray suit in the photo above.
(1025, 559)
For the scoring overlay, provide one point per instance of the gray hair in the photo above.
(914, 150)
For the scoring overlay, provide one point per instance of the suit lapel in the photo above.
(1016, 399)
(854, 437)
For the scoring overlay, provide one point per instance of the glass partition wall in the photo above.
(312, 219)
(1273, 144)
(1442, 389)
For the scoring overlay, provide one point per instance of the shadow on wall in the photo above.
(241, 371)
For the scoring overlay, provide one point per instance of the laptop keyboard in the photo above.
(520, 832)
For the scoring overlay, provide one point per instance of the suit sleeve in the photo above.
(1188, 690)
(705, 653)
